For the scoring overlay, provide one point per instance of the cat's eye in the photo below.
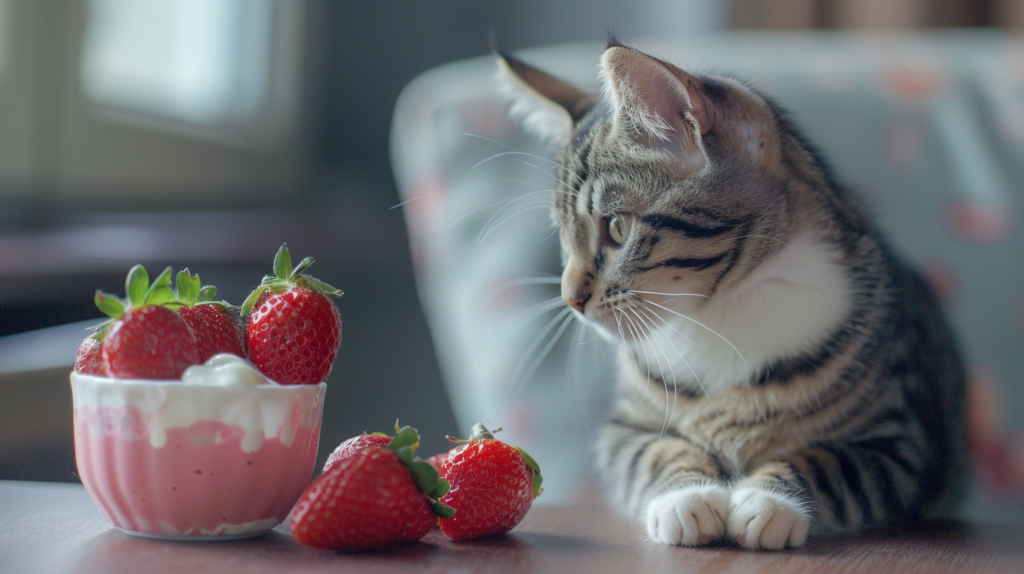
(618, 228)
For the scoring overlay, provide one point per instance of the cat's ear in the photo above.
(546, 106)
(656, 103)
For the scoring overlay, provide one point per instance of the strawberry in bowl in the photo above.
(294, 330)
(177, 434)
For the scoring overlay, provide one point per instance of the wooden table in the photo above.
(47, 527)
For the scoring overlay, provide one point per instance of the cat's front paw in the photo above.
(765, 520)
(692, 516)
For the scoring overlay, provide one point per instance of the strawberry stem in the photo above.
(404, 444)
(286, 278)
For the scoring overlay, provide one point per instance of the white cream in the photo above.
(263, 411)
(224, 370)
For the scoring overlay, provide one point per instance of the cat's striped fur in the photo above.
(782, 370)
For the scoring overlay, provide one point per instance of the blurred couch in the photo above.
(929, 129)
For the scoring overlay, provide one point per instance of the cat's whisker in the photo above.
(669, 415)
(538, 280)
(484, 234)
(645, 338)
(520, 378)
(635, 332)
(506, 146)
(508, 205)
(631, 291)
(410, 200)
(644, 302)
(547, 348)
(710, 330)
(553, 176)
(618, 322)
(707, 395)
(721, 421)
(531, 313)
(675, 382)
(572, 373)
(450, 220)
(496, 156)
(514, 151)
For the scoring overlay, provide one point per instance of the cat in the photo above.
(782, 372)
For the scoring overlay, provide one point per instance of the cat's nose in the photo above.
(576, 284)
(577, 301)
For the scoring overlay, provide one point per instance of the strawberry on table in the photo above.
(354, 445)
(145, 340)
(217, 328)
(492, 486)
(294, 330)
(374, 497)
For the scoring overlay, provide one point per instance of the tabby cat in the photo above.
(782, 371)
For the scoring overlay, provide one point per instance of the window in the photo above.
(202, 62)
(5, 9)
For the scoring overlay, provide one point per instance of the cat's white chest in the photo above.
(787, 308)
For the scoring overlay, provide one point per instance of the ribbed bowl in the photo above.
(167, 460)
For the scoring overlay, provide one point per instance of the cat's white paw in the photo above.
(692, 516)
(765, 520)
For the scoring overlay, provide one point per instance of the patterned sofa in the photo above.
(928, 128)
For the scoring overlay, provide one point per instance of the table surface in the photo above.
(47, 527)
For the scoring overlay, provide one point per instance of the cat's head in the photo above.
(671, 185)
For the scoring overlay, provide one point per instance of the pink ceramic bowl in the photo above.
(163, 459)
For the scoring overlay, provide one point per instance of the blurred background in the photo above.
(205, 133)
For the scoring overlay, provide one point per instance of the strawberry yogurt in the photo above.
(222, 454)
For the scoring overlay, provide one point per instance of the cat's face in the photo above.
(668, 197)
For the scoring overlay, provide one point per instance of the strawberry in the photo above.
(354, 445)
(374, 497)
(294, 330)
(492, 486)
(217, 328)
(145, 340)
(89, 358)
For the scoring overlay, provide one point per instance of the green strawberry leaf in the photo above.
(321, 287)
(302, 266)
(162, 280)
(99, 332)
(405, 454)
(206, 294)
(405, 437)
(442, 510)
(283, 262)
(188, 287)
(160, 296)
(535, 470)
(109, 305)
(277, 285)
(137, 285)
(426, 478)
(443, 486)
(251, 300)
